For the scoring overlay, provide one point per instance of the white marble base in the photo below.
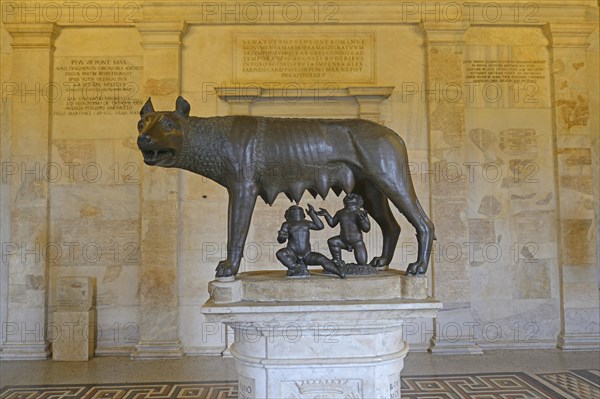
(157, 350)
(346, 348)
(579, 342)
(24, 351)
(459, 347)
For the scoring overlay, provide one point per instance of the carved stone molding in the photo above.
(444, 33)
(569, 35)
(368, 98)
(30, 36)
(161, 34)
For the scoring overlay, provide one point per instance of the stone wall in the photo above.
(494, 100)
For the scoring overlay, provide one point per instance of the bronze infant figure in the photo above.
(254, 156)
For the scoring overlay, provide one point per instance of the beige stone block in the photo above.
(75, 335)
(275, 286)
(75, 293)
(414, 287)
(225, 292)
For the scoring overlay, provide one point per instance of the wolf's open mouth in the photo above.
(152, 157)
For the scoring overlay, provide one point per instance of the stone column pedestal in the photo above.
(321, 336)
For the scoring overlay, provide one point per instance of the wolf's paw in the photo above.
(225, 269)
(416, 268)
(380, 263)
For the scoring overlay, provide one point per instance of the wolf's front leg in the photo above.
(241, 206)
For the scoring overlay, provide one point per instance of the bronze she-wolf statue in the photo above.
(254, 156)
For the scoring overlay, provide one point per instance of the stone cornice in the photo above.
(569, 35)
(243, 93)
(368, 98)
(444, 34)
(33, 36)
(161, 34)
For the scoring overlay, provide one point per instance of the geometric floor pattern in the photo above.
(574, 384)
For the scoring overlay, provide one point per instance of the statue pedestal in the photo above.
(319, 337)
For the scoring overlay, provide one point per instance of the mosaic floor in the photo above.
(574, 384)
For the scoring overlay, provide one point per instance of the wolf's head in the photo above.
(160, 133)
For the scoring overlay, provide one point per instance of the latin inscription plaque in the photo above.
(505, 71)
(507, 83)
(97, 85)
(304, 58)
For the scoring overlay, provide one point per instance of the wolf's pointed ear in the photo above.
(147, 108)
(182, 107)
